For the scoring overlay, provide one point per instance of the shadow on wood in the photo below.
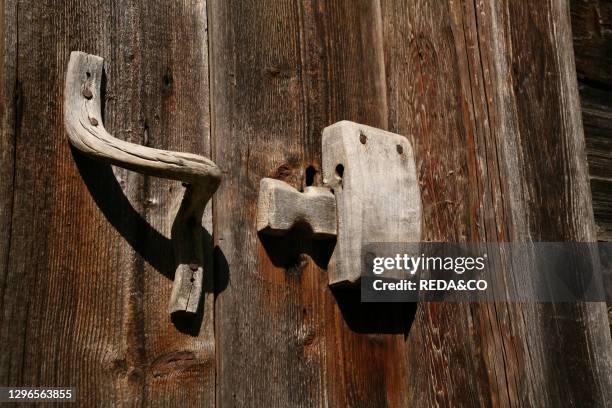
(289, 252)
(152, 246)
(374, 318)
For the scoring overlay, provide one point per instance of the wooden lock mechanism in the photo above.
(370, 195)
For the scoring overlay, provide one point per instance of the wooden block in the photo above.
(281, 207)
(373, 176)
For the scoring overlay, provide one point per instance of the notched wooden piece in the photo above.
(86, 132)
(281, 207)
(373, 175)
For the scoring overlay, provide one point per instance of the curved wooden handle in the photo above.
(86, 132)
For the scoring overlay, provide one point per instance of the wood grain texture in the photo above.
(488, 92)
(9, 120)
(87, 277)
(281, 72)
(373, 176)
(596, 104)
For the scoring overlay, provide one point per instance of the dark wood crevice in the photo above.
(592, 33)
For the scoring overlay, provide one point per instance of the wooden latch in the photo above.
(370, 195)
(86, 132)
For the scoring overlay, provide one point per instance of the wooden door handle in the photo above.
(86, 132)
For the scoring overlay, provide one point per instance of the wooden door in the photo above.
(485, 91)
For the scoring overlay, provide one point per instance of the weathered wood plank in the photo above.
(9, 119)
(90, 266)
(181, 354)
(487, 90)
(281, 72)
(47, 291)
(430, 101)
(268, 353)
(175, 116)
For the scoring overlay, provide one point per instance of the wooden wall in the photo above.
(486, 92)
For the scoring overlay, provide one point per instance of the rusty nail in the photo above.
(87, 93)
(363, 138)
(400, 149)
(193, 266)
(93, 121)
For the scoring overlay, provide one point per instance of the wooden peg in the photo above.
(281, 207)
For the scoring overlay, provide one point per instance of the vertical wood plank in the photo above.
(267, 354)
(88, 275)
(9, 113)
(487, 90)
(45, 296)
(179, 354)
(281, 72)
(430, 102)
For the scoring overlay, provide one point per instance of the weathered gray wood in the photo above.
(372, 173)
(280, 207)
(86, 132)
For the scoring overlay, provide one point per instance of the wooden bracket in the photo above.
(371, 176)
(86, 132)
